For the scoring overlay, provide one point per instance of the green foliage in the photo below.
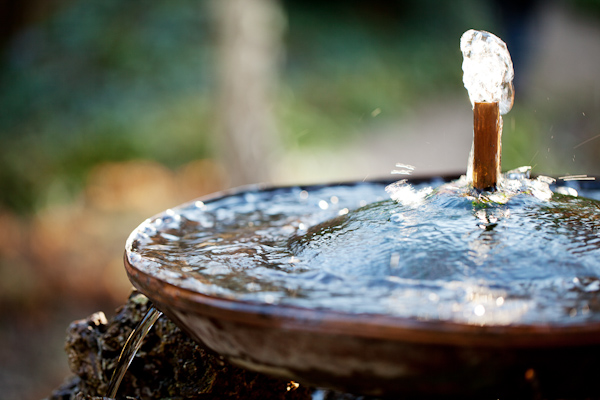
(346, 59)
(102, 80)
(108, 80)
(590, 6)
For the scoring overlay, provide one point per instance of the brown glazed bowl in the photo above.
(384, 355)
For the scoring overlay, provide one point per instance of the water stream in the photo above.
(133, 344)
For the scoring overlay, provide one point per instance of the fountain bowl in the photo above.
(382, 355)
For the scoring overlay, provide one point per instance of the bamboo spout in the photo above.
(487, 145)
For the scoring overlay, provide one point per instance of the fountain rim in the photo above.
(366, 326)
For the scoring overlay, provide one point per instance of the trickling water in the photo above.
(133, 344)
(521, 255)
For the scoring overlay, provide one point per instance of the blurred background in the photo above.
(112, 111)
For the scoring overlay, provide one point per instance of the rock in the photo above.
(169, 365)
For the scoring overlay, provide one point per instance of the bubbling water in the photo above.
(522, 255)
(487, 75)
(487, 69)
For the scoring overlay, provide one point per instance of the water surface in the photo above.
(523, 255)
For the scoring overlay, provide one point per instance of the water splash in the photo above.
(487, 69)
(513, 183)
(133, 344)
(405, 194)
(403, 169)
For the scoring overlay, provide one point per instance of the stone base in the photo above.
(169, 365)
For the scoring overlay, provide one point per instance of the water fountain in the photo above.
(484, 285)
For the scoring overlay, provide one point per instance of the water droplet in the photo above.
(568, 191)
(573, 312)
(304, 195)
(269, 299)
(594, 286)
(479, 310)
(394, 260)
(585, 309)
(403, 169)
(323, 205)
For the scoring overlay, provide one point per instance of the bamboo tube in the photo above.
(487, 145)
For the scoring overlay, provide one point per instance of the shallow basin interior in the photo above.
(433, 252)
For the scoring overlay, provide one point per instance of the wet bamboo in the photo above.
(487, 145)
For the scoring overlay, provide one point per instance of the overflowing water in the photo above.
(521, 255)
(133, 344)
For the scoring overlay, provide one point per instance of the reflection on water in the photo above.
(521, 255)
